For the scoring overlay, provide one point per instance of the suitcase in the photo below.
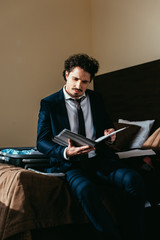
(27, 157)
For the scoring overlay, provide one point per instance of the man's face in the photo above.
(77, 82)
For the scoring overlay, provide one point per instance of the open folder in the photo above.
(79, 140)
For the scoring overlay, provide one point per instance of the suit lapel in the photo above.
(61, 107)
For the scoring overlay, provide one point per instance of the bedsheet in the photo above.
(30, 200)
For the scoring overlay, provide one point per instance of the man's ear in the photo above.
(66, 74)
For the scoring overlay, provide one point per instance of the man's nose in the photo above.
(78, 84)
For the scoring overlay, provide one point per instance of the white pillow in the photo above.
(142, 134)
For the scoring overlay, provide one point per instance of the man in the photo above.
(77, 108)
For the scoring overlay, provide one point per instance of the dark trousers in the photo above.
(80, 180)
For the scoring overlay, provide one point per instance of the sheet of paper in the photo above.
(107, 136)
(136, 153)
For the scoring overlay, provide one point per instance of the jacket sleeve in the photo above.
(45, 134)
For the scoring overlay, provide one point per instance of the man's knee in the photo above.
(134, 184)
(79, 184)
(128, 179)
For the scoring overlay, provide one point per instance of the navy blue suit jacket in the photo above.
(53, 119)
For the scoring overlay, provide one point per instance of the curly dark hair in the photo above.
(83, 61)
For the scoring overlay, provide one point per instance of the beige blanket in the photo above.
(29, 200)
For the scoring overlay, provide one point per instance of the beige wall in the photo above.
(125, 32)
(37, 35)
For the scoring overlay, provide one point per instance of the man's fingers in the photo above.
(72, 150)
(69, 143)
(84, 149)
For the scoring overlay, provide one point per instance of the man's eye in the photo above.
(85, 82)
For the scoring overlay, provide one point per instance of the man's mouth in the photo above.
(77, 90)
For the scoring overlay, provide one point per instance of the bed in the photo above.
(36, 206)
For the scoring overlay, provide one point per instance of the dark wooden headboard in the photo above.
(132, 93)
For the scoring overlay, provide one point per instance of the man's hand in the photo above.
(72, 150)
(108, 131)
